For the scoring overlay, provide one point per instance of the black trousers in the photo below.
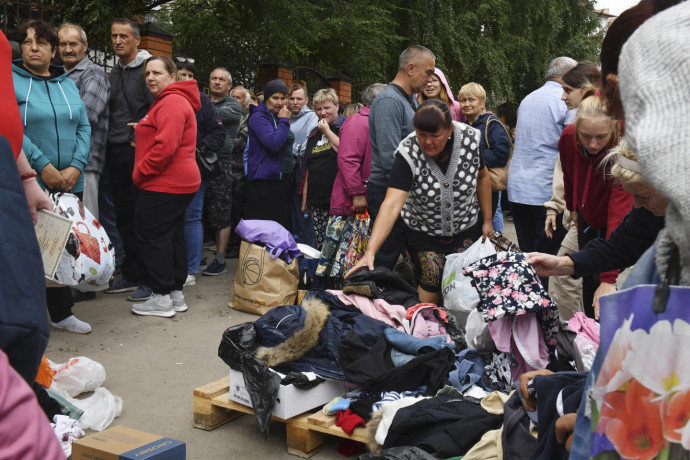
(120, 165)
(159, 219)
(390, 250)
(590, 282)
(529, 225)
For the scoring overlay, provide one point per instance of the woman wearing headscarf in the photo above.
(269, 159)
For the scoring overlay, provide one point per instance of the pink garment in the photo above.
(354, 163)
(454, 105)
(424, 324)
(393, 315)
(25, 431)
(584, 325)
(587, 332)
(522, 337)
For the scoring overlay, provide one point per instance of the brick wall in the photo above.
(156, 46)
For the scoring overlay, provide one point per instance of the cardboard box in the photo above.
(122, 443)
(291, 400)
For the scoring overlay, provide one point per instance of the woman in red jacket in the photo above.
(167, 176)
(596, 201)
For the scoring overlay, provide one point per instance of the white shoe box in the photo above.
(291, 400)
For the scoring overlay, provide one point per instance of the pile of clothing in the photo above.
(418, 385)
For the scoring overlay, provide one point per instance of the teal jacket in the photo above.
(56, 127)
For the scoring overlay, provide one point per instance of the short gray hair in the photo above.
(247, 96)
(80, 31)
(370, 93)
(413, 54)
(226, 71)
(559, 66)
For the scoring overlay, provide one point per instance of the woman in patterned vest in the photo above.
(441, 188)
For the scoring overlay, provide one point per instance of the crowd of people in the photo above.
(588, 171)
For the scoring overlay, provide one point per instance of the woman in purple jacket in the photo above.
(269, 161)
(349, 190)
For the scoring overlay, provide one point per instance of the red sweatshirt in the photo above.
(590, 191)
(165, 154)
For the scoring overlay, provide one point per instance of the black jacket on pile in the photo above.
(445, 426)
(635, 234)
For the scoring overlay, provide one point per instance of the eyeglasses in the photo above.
(185, 59)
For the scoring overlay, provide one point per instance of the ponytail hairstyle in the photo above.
(592, 106)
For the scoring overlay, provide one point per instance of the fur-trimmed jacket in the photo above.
(307, 338)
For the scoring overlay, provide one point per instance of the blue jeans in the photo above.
(497, 220)
(193, 231)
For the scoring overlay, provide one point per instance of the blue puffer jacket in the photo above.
(56, 127)
(307, 338)
(267, 136)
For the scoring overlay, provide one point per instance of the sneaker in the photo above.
(215, 269)
(122, 286)
(204, 264)
(72, 324)
(142, 293)
(156, 305)
(178, 301)
(190, 281)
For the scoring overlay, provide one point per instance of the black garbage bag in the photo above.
(236, 349)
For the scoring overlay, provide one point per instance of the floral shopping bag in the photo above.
(358, 241)
(640, 402)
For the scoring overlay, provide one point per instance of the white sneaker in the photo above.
(190, 281)
(156, 305)
(72, 324)
(178, 301)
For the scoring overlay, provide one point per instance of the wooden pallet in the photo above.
(305, 432)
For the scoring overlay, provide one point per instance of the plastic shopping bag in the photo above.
(458, 291)
(78, 375)
(88, 260)
(358, 241)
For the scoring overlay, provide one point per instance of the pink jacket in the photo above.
(26, 431)
(354, 163)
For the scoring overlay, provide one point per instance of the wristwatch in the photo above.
(29, 175)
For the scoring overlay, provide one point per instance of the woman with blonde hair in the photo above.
(597, 202)
(494, 136)
(321, 160)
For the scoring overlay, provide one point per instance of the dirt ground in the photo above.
(155, 364)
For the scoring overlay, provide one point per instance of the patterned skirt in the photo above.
(338, 233)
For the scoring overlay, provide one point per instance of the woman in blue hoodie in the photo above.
(269, 160)
(57, 135)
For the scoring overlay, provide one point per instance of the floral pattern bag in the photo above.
(640, 402)
(507, 285)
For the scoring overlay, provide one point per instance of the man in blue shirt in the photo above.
(541, 118)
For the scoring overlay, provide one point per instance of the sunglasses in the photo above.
(185, 59)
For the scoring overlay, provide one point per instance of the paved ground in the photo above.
(155, 364)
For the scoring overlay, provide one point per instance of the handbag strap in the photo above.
(486, 130)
